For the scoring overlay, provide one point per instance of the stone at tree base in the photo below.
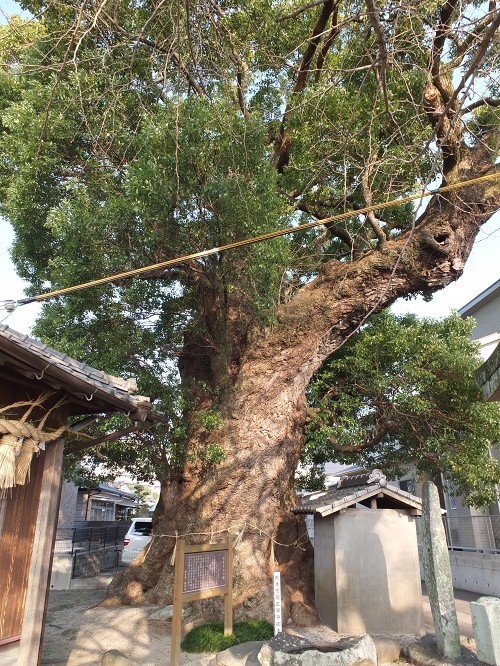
(244, 653)
(117, 658)
(164, 613)
(354, 651)
(424, 652)
(438, 576)
(388, 649)
(486, 628)
(167, 612)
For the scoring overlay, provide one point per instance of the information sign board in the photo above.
(205, 570)
(201, 571)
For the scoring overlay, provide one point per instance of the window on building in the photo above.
(102, 510)
(408, 485)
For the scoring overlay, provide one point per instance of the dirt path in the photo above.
(78, 632)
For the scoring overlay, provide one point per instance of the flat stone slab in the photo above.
(388, 649)
(424, 652)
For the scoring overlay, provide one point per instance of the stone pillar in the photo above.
(437, 572)
(486, 628)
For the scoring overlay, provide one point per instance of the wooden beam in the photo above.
(30, 649)
(100, 440)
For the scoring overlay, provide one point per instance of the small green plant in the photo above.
(210, 420)
(210, 637)
(213, 454)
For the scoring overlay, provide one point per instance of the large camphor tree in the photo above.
(136, 132)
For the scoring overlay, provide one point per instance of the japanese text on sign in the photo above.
(205, 570)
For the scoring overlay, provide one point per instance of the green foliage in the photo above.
(403, 392)
(212, 454)
(134, 133)
(210, 637)
(210, 420)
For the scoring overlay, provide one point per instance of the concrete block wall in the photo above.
(474, 572)
(88, 564)
(67, 507)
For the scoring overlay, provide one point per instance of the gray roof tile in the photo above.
(41, 357)
(334, 499)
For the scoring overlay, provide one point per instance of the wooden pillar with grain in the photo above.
(30, 648)
(175, 644)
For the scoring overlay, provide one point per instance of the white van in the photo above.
(138, 536)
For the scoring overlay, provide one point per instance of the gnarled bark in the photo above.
(251, 492)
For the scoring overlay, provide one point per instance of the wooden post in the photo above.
(228, 597)
(30, 648)
(175, 644)
(199, 585)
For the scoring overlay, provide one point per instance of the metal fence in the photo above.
(84, 539)
(89, 549)
(471, 533)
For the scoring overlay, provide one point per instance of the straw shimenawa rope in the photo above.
(20, 440)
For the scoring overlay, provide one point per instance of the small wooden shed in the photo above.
(40, 388)
(367, 576)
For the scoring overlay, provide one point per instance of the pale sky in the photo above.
(481, 270)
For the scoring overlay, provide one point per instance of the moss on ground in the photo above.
(210, 637)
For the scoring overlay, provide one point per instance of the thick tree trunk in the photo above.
(251, 492)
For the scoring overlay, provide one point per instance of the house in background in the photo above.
(104, 504)
(483, 527)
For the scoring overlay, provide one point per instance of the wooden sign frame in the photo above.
(221, 584)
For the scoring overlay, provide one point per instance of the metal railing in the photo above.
(84, 539)
(471, 533)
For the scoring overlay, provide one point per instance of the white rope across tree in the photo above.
(20, 440)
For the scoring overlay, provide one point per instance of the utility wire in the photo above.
(11, 305)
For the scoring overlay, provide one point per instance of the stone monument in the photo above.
(486, 627)
(438, 577)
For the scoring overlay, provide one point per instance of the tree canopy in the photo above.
(401, 393)
(134, 133)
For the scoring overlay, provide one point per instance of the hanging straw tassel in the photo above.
(8, 445)
(272, 558)
(23, 462)
(172, 559)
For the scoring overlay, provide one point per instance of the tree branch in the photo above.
(472, 37)
(282, 144)
(146, 41)
(371, 443)
(485, 101)
(367, 193)
(373, 16)
(334, 31)
(301, 10)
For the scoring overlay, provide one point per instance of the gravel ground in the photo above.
(78, 631)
